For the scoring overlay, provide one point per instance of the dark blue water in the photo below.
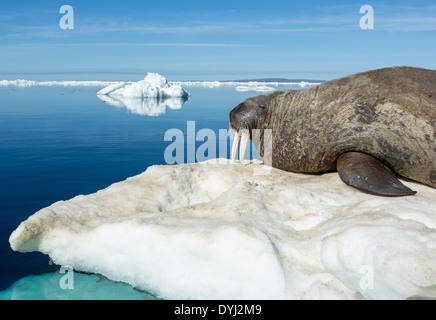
(58, 142)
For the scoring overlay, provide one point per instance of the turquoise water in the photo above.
(58, 142)
(54, 286)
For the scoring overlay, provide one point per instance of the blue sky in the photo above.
(212, 40)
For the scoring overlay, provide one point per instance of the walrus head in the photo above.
(244, 118)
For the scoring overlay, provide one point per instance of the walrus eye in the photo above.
(262, 106)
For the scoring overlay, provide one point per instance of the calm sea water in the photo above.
(58, 142)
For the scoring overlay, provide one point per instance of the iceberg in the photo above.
(150, 97)
(153, 86)
(222, 230)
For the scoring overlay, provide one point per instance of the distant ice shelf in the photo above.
(28, 83)
(254, 88)
(249, 84)
(221, 230)
(208, 84)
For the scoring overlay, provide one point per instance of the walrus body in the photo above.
(387, 114)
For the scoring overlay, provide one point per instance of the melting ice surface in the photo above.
(216, 230)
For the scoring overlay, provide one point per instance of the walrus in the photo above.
(372, 128)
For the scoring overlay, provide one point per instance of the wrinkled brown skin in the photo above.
(388, 113)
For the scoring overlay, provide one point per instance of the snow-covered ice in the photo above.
(254, 88)
(151, 96)
(218, 230)
(111, 85)
(68, 83)
(251, 84)
(153, 86)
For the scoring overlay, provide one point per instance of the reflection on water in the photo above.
(145, 106)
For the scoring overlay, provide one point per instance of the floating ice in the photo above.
(246, 84)
(153, 86)
(111, 85)
(151, 96)
(18, 83)
(231, 231)
(254, 88)
(28, 83)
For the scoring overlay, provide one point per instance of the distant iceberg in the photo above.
(259, 86)
(153, 86)
(150, 97)
(68, 83)
(254, 88)
(216, 230)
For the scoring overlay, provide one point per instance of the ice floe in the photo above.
(217, 230)
(111, 85)
(153, 86)
(213, 84)
(150, 97)
(28, 83)
(254, 88)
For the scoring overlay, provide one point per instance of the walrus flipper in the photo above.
(370, 175)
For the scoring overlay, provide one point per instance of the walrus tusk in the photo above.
(242, 137)
(244, 141)
(235, 145)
